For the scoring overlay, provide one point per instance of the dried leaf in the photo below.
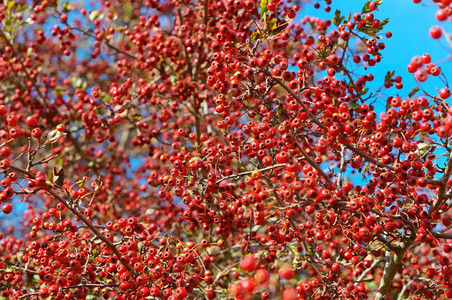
(54, 136)
(413, 91)
(279, 29)
(58, 176)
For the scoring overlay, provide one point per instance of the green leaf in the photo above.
(337, 15)
(60, 162)
(371, 31)
(280, 112)
(413, 91)
(295, 263)
(254, 36)
(67, 7)
(10, 4)
(384, 22)
(263, 8)
(95, 254)
(22, 8)
(173, 79)
(388, 106)
(366, 7)
(6, 32)
(353, 105)
(337, 19)
(271, 24)
(389, 75)
(322, 53)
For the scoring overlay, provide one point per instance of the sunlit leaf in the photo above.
(93, 15)
(254, 36)
(67, 7)
(337, 19)
(10, 4)
(263, 7)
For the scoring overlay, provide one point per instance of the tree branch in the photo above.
(363, 274)
(440, 198)
(393, 263)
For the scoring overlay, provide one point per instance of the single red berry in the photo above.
(5, 151)
(426, 58)
(442, 15)
(444, 93)
(261, 276)
(61, 127)
(63, 18)
(435, 32)
(7, 208)
(421, 75)
(36, 132)
(4, 163)
(31, 121)
(287, 273)
(249, 263)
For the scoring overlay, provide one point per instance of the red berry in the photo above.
(444, 93)
(7, 209)
(421, 75)
(5, 151)
(426, 58)
(248, 286)
(36, 132)
(287, 273)
(441, 15)
(61, 127)
(31, 121)
(435, 32)
(261, 276)
(249, 263)
(290, 294)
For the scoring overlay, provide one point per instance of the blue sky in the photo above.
(409, 23)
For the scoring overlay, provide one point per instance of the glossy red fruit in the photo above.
(435, 32)
(287, 273)
(31, 121)
(7, 209)
(249, 263)
(444, 93)
(261, 276)
(290, 294)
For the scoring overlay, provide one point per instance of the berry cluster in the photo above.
(181, 149)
